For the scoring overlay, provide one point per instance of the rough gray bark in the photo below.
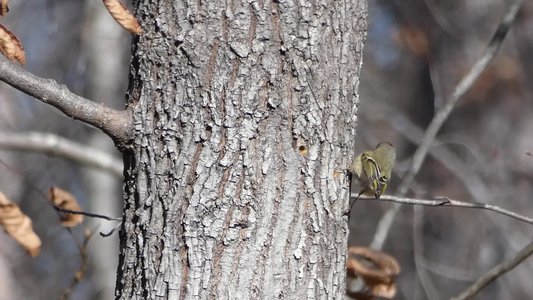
(244, 117)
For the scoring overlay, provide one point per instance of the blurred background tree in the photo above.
(416, 53)
(80, 45)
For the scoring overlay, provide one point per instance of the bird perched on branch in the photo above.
(372, 169)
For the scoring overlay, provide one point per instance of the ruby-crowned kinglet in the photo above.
(372, 169)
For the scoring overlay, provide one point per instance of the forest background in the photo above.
(414, 56)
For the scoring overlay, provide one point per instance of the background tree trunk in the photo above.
(245, 119)
(106, 82)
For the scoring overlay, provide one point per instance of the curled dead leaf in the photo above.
(63, 200)
(19, 226)
(11, 47)
(123, 16)
(3, 8)
(377, 270)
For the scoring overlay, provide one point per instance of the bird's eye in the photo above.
(383, 179)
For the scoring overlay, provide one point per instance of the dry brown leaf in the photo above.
(62, 199)
(123, 16)
(377, 269)
(10, 46)
(3, 8)
(384, 290)
(18, 225)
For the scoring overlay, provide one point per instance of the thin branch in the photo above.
(462, 87)
(496, 272)
(80, 273)
(52, 144)
(470, 180)
(443, 201)
(424, 279)
(117, 124)
(112, 230)
(92, 215)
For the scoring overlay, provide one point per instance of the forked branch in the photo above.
(115, 123)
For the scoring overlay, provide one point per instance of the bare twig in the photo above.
(58, 210)
(117, 124)
(443, 201)
(496, 272)
(444, 269)
(111, 231)
(470, 180)
(424, 279)
(80, 273)
(92, 215)
(55, 145)
(462, 87)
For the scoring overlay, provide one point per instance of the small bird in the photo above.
(373, 169)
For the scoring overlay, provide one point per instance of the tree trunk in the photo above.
(245, 119)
